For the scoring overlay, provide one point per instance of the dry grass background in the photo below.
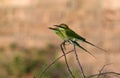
(28, 27)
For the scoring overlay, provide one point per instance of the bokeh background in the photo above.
(27, 46)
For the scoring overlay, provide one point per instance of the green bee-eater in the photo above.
(69, 34)
(63, 37)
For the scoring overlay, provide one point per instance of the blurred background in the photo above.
(27, 46)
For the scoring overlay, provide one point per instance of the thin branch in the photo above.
(81, 69)
(105, 73)
(102, 70)
(53, 63)
(61, 45)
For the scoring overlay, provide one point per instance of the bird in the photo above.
(64, 37)
(69, 34)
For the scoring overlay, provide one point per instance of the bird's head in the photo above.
(62, 26)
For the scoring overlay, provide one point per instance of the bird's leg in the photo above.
(65, 43)
(68, 42)
(62, 48)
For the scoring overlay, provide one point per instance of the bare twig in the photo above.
(105, 73)
(81, 69)
(61, 45)
(53, 63)
(102, 70)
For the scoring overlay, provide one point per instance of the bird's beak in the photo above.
(56, 25)
(52, 28)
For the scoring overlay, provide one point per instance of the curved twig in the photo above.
(81, 69)
(61, 45)
(105, 73)
(53, 63)
(102, 70)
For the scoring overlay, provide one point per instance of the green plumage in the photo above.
(71, 35)
(58, 32)
(67, 34)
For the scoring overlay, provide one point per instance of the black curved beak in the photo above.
(56, 25)
(52, 28)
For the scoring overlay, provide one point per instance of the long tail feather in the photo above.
(75, 43)
(95, 46)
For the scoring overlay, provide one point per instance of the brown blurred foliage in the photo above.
(27, 25)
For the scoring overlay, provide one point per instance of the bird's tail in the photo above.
(95, 46)
(75, 43)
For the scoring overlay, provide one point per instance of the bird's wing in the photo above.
(72, 34)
